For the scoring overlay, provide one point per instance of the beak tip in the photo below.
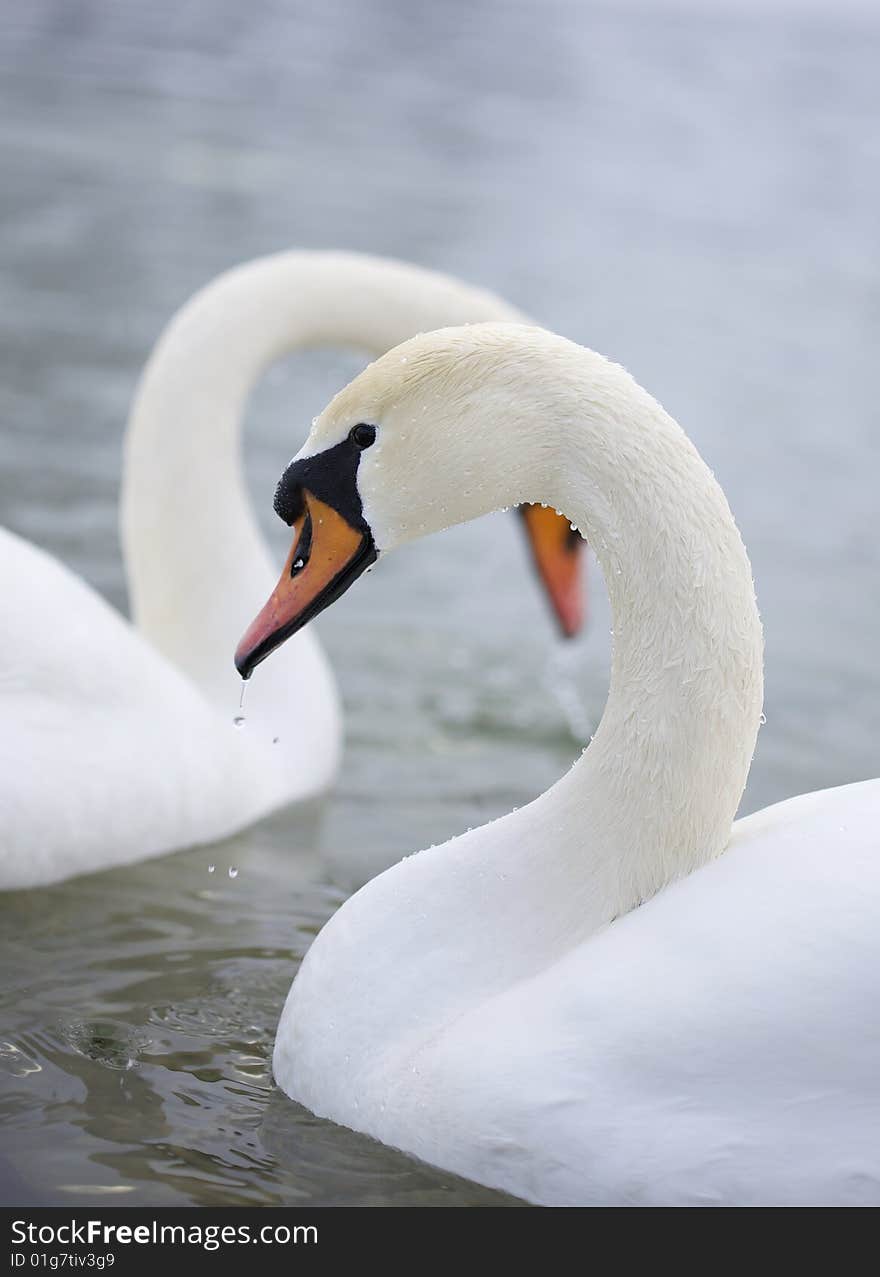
(567, 601)
(246, 657)
(571, 622)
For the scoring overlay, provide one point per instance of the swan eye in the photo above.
(362, 435)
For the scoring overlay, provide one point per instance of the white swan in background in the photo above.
(585, 1001)
(116, 740)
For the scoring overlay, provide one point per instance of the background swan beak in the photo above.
(558, 555)
(327, 555)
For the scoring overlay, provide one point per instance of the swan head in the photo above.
(428, 436)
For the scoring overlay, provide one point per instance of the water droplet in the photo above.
(232, 871)
(241, 697)
(212, 869)
(239, 720)
(763, 718)
(275, 740)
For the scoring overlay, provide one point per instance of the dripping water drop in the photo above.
(239, 720)
(232, 871)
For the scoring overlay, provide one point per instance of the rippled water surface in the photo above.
(139, 1011)
(691, 190)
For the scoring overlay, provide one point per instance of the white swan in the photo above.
(501, 1006)
(117, 741)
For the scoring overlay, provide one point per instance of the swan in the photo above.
(118, 739)
(586, 1002)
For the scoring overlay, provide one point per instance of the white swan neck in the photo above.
(660, 784)
(654, 795)
(509, 414)
(656, 792)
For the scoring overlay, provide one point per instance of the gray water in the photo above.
(692, 190)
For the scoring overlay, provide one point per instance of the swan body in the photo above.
(115, 753)
(117, 739)
(716, 1046)
(614, 995)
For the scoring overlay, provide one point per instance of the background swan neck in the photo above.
(196, 563)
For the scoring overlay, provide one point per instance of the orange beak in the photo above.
(326, 556)
(557, 552)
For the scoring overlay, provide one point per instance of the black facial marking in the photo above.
(331, 476)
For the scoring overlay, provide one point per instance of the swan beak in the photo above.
(326, 556)
(557, 552)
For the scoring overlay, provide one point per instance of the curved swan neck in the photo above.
(662, 780)
(445, 932)
(195, 560)
(541, 419)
